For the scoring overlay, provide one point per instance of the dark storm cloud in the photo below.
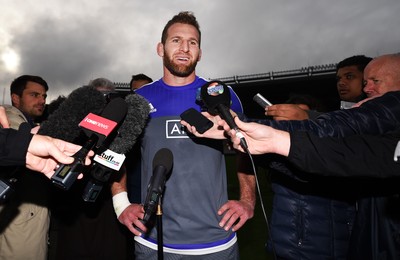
(75, 43)
(267, 36)
(65, 53)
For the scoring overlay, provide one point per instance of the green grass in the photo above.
(253, 235)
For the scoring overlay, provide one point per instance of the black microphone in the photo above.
(110, 161)
(133, 125)
(162, 165)
(217, 98)
(63, 123)
(97, 128)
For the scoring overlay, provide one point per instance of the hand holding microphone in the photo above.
(110, 161)
(217, 98)
(97, 128)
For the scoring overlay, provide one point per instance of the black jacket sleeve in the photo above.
(14, 145)
(353, 156)
(376, 116)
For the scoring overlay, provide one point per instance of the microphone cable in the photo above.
(246, 149)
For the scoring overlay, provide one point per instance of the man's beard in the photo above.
(32, 112)
(179, 70)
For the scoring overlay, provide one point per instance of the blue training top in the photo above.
(197, 186)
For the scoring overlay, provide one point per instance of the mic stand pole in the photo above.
(159, 230)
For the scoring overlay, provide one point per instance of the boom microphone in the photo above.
(109, 161)
(63, 123)
(217, 98)
(132, 127)
(98, 128)
(162, 165)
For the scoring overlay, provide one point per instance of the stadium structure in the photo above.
(317, 81)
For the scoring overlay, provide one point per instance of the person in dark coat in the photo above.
(357, 157)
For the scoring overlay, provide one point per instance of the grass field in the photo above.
(253, 235)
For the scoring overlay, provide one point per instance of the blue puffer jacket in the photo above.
(310, 222)
(311, 218)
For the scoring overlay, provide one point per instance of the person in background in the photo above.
(103, 85)
(349, 83)
(350, 78)
(132, 162)
(139, 80)
(24, 220)
(381, 75)
(198, 219)
(316, 201)
(28, 99)
(88, 229)
(296, 201)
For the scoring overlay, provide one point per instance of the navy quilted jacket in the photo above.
(312, 221)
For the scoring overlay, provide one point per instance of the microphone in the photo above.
(97, 128)
(162, 165)
(109, 161)
(132, 127)
(217, 98)
(63, 123)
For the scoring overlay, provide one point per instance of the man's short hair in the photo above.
(361, 61)
(103, 84)
(185, 17)
(19, 84)
(140, 76)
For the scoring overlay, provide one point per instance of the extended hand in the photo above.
(260, 138)
(3, 118)
(287, 112)
(214, 132)
(45, 153)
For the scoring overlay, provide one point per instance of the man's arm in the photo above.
(37, 152)
(128, 214)
(3, 118)
(286, 112)
(378, 115)
(45, 153)
(354, 156)
(14, 146)
(243, 209)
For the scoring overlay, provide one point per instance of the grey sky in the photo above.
(69, 43)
